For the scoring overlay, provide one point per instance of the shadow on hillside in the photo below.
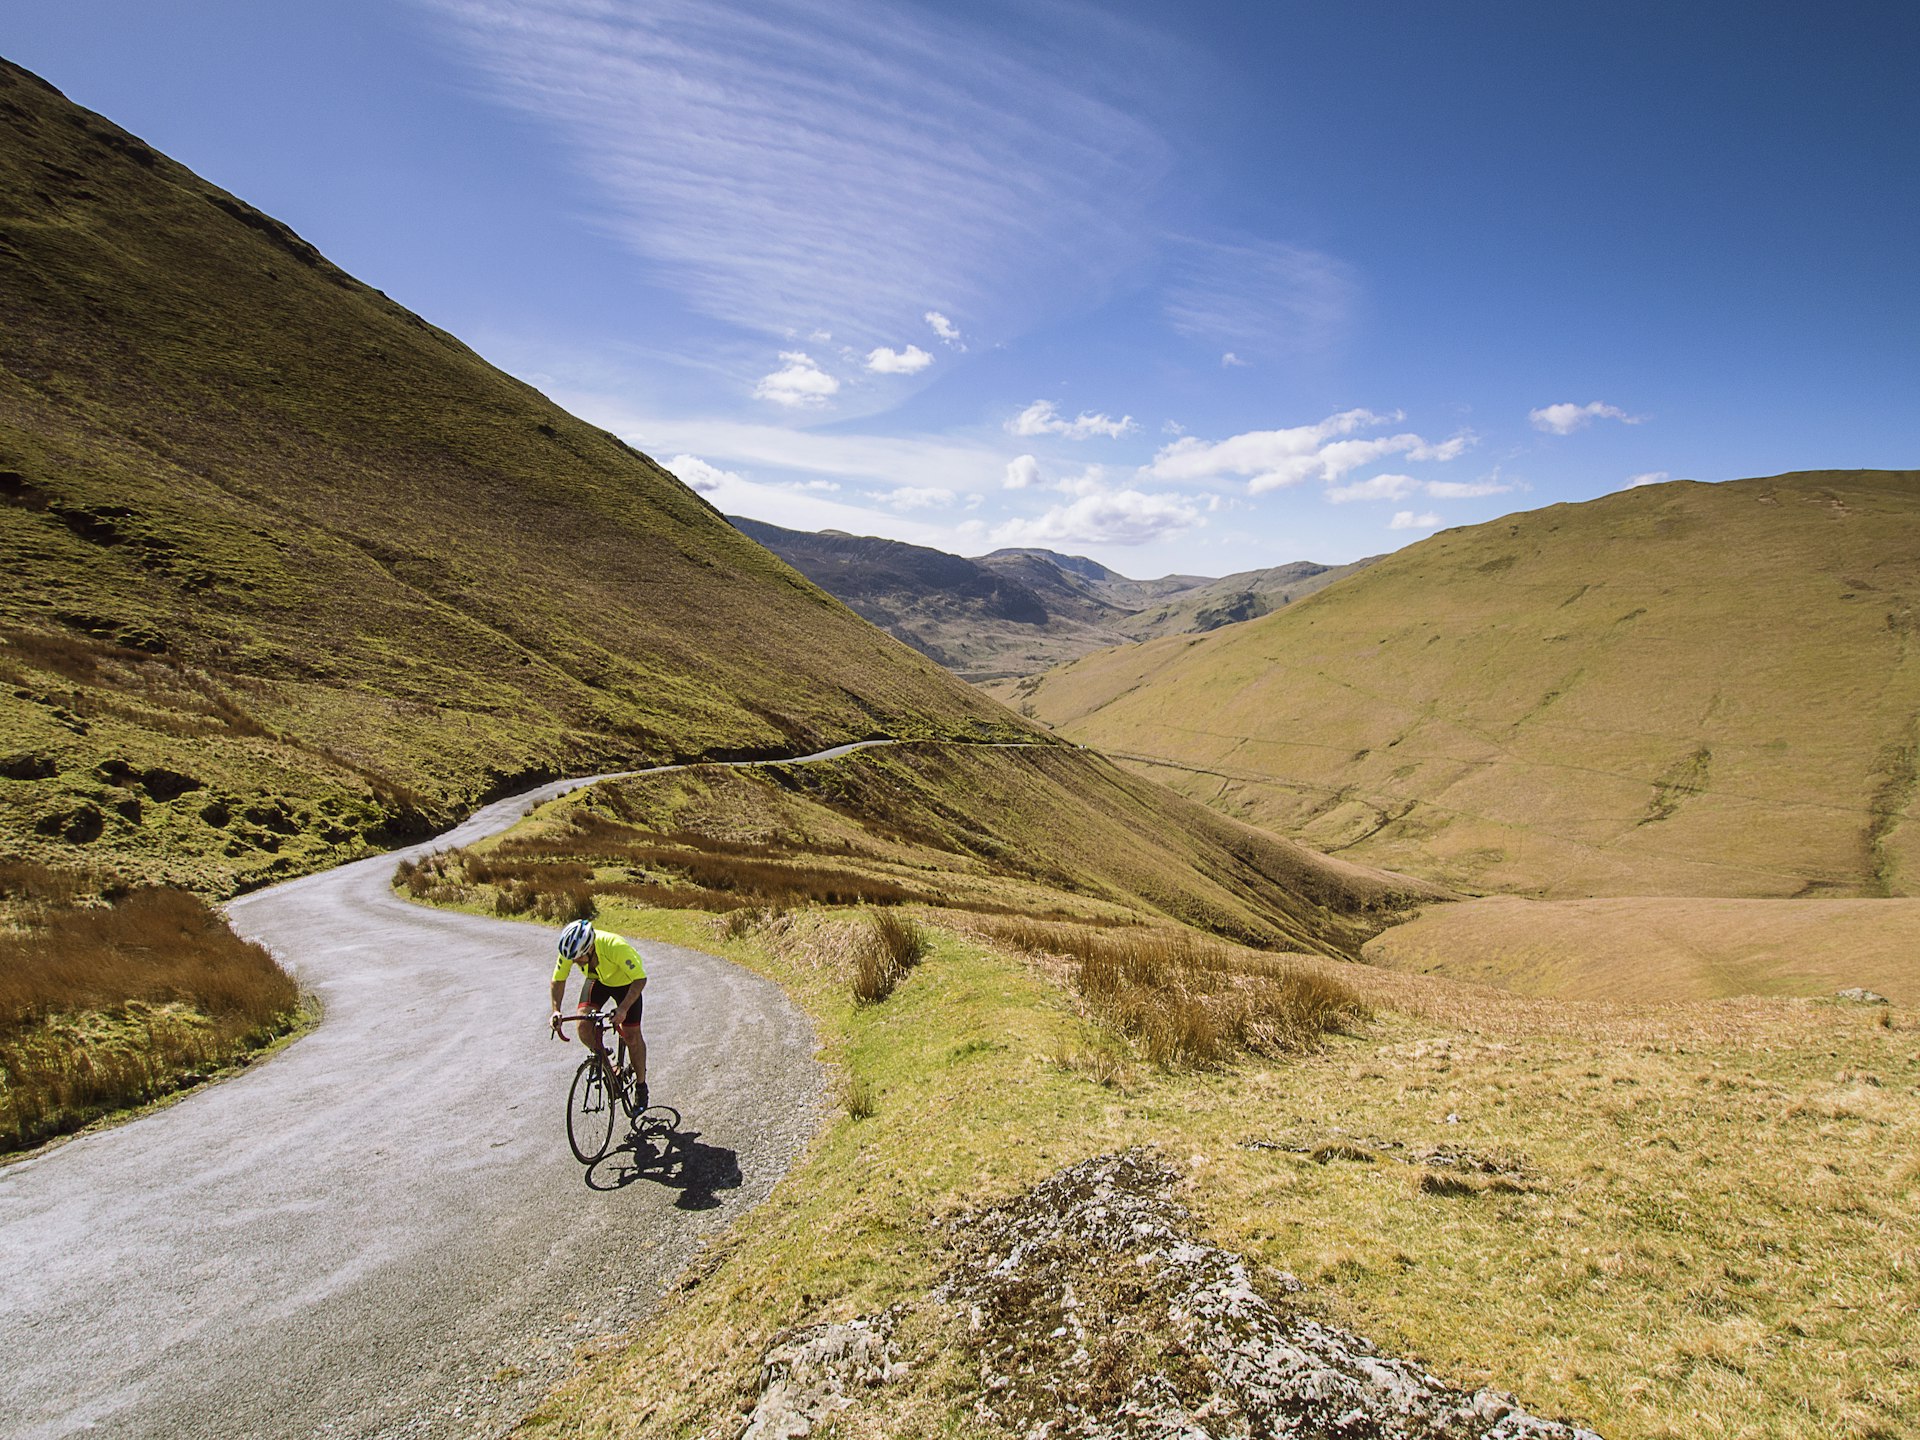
(661, 1150)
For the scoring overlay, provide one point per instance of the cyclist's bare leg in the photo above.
(636, 1049)
(594, 1033)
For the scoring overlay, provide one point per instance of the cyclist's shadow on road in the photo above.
(662, 1150)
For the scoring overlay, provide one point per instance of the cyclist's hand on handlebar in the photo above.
(558, 1032)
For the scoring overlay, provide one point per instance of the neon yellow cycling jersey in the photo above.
(615, 962)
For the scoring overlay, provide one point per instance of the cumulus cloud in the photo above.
(1040, 418)
(886, 361)
(1565, 418)
(705, 478)
(918, 497)
(1124, 517)
(1407, 520)
(1270, 459)
(948, 332)
(799, 384)
(1022, 472)
(1379, 487)
(1651, 477)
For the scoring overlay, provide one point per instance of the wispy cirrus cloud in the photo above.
(964, 170)
(1258, 298)
(1271, 459)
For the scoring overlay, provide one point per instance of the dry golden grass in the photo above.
(1656, 948)
(112, 1003)
(1187, 1001)
(891, 946)
(1681, 689)
(1664, 1220)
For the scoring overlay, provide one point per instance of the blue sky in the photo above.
(1194, 289)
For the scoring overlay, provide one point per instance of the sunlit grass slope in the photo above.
(290, 572)
(1682, 689)
(1011, 830)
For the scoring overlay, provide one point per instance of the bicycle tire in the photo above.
(590, 1107)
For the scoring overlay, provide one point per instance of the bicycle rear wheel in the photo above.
(590, 1110)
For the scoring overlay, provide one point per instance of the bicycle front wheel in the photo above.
(590, 1108)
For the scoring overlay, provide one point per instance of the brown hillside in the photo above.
(1678, 689)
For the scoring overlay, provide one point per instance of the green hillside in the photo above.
(291, 573)
(1681, 689)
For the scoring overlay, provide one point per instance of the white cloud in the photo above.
(1125, 517)
(1274, 458)
(918, 497)
(1465, 489)
(948, 332)
(910, 361)
(1040, 418)
(1565, 418)
(1651, 477)
(799, 384)
(1173, 427)
(759, 447)
(819, 487)
(1407, 520)
(1022, 472)
(705, 478)
(1258, 298)
(1379, 487)
(713, 128)
(1230, 361)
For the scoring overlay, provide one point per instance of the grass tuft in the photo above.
(890, 946)
(1187, 1001)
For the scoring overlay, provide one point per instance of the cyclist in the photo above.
(612, 970)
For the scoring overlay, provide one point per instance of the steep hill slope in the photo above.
(1009, 614)
(1681, 689)
(291, 572)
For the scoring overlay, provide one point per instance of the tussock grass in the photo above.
(110, 997)
(891, 946)
(1189, 1001)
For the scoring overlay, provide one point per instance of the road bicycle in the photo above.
(602, 1089)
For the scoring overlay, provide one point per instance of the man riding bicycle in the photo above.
(612, 971)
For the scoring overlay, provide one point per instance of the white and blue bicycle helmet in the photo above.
(576, 939)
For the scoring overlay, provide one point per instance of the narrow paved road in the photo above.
(381, 1232)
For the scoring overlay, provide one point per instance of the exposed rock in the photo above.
(814, 1372)
(1097, 1316)
(1861, 996)
(27, 765)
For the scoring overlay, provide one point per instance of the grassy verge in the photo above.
(1688, 1220)
(113, 997)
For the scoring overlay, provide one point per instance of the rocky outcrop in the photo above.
(1096, 1316)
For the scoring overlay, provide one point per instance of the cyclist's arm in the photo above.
(559, 994)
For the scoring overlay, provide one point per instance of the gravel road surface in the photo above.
(381, 1231)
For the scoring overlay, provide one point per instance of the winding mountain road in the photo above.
(381, 1232)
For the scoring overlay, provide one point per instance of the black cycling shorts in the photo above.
(599, 995)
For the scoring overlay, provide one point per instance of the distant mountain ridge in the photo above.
(1015, 612)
